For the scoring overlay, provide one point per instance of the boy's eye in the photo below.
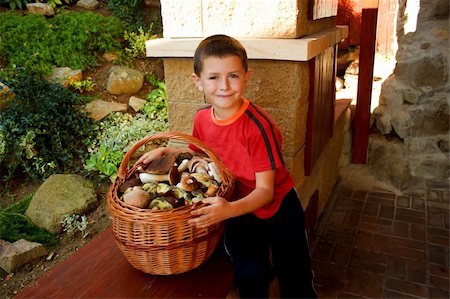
(234, 76)
(212, 77)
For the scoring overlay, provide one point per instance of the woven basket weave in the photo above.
(160, 241)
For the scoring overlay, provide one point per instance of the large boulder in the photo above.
(123, 80)
(59, 195)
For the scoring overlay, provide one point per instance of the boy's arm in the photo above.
(259, 197)
(220, 209)
(163, 151)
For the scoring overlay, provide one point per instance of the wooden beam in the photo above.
(100, 270)
(300, 49)
(365, 78)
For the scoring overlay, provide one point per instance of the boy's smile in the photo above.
(223, 81)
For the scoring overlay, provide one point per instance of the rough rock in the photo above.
(59, 195)
(41, 8)
(414, 100)
(88, 4)
(136, 103)
(110, 56)
(20, 253)
(99, 108)
(123, 80)
(3, 243)
(65, 75)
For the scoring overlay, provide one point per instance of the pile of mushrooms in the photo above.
(171, 182)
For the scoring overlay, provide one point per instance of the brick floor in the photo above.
(379, 244)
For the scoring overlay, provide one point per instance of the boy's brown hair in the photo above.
(219, 46)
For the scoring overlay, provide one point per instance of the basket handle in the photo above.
(123, 168)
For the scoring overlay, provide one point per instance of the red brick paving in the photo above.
(378, 244)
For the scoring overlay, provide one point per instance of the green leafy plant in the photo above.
(126, 10)
(43, 128)
(39, 44)
(118, 132)
(73, 223)
(132, 13)
(13, 4)
(156, 107)
(136, 42)
(105, 161)
(115, 136)
(55, 3)
(82, 85)
(14, 225)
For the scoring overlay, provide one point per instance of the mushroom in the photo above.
(163, 188)
(150, 187)
(149, 177)
(183, 156)
(214, 172)
(160, 203)
(180, 193)
(198, 164)
(212, 189)
(137, 197)
(160, 165)
(189, 183)
(174, 176)
(203, 178)
(183, 165)
(129, 183)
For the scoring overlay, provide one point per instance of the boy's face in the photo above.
(223, 81)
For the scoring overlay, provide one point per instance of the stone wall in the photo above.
(283, 94)
(414, 100)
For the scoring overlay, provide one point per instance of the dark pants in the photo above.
(264, 248)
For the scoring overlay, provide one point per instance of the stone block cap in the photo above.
(300, 49)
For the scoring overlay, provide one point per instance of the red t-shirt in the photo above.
(246, 143)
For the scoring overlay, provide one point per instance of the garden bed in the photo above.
(99, 219)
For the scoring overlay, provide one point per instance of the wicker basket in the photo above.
(161, 242)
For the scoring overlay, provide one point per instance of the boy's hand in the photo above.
(217, 210)
(151, 155)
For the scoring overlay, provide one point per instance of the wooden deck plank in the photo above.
(99, 270)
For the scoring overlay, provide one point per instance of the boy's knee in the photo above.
(251, 277)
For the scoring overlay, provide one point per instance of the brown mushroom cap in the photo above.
(189, 183)
(137, 198)
(161, 165)
(174, 176)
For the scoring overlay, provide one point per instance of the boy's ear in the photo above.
(247, 76)
(197, 81)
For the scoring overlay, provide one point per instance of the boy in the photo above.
(264, 232)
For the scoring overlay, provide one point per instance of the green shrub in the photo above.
(136, 42)
(156, 107)
(127, 10)
(55, 3)
(43, 129)
(132, 12)
(115, 136)
(119, 131)
(69, 39)
(82, 85)
(14, 225)
(13, 4)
